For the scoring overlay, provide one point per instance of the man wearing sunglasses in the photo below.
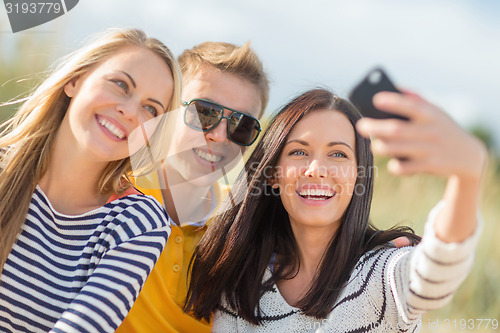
(225, 91)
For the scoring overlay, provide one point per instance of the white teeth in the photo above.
(208, 157)
(325, 194)
(112, 128)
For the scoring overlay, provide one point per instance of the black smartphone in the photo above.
(362, 95)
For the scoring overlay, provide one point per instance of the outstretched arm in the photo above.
(432, 143)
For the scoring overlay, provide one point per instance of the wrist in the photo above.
(474, 165)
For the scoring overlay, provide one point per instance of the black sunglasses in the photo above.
(204, 115)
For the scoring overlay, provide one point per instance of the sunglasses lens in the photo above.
(202, 115)
(205, 115)
(243, 129)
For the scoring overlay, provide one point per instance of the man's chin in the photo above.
(205, 180)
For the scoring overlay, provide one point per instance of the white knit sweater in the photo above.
(388, 291)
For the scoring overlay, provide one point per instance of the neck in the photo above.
(312, 243)
(71, 180)
(184, 201)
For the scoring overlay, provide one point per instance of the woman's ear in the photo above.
(70, 87)
(272, 179)
(273, 182)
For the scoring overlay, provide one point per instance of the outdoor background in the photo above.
(446, 50)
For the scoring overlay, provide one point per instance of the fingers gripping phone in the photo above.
(362, 95)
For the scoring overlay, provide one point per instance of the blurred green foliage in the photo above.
(485, 134)
(23, 61)
(407, 201)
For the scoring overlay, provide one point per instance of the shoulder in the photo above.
(137, 214)
(373, 266)
(381, 254)
(139, 207)
(374, 270)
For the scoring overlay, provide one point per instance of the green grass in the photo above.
(407, 201)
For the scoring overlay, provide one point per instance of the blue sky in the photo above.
(446, 50)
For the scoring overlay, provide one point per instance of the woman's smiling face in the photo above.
(317, 170)
(130, 87)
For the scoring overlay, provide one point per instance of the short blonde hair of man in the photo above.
(229, 58)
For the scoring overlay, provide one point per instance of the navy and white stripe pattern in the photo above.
(388, 291)
(80, 273)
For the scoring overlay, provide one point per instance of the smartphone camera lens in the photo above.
(375, 77)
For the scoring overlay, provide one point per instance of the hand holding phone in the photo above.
(431, 142)
(362, 95)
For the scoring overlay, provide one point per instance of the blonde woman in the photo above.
(76, 241)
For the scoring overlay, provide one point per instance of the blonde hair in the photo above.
(226, 57)
(27, 138)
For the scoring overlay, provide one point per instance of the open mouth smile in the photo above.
(111, 128)
(316, 194)
(209, 157)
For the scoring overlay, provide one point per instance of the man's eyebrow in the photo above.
(130, 78)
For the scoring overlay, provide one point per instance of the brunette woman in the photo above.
(299, 253)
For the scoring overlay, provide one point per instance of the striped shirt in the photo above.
(388, 291)
(80, 273)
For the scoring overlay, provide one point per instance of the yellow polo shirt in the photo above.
(159, 305)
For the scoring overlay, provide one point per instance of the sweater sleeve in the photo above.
(130, 252)
(427, 277)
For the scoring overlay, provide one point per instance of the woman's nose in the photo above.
(316, 169)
